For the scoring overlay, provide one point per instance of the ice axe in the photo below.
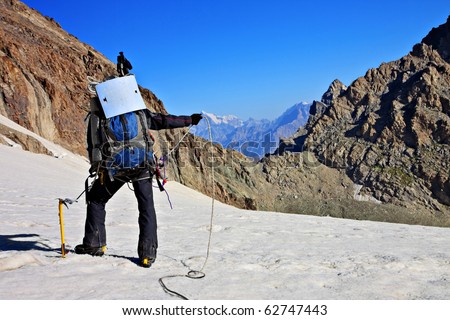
(61, 222)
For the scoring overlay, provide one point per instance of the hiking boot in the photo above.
(93, 251)
(147, 262)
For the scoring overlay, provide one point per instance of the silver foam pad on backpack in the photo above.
(120, 95)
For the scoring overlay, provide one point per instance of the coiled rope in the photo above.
(196, 274)
(92, 83)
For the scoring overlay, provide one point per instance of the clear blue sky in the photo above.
(252, 58)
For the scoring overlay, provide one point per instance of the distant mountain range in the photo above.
(253, 138)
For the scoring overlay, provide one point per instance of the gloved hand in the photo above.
(196, 117)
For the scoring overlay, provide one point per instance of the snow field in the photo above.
(254, 255)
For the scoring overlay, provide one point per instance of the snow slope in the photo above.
(254, 255)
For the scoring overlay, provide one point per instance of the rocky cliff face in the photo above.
(390, 130)
(43, 75)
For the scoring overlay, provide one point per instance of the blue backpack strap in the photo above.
(147, 136)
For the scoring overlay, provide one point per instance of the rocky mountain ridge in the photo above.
(390, 129)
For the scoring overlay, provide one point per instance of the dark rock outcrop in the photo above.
(390, 130)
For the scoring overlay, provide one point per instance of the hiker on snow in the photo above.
(120, 150)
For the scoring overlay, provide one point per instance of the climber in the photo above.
(123, 65)
(120, 149)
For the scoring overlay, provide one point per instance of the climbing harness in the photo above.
(197, 274)
(165, 159)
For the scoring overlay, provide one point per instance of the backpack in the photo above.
(121, 144)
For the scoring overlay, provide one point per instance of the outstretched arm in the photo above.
(157, 121)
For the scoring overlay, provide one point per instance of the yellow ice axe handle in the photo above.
(61, 226)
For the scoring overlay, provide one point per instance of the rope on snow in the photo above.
(196, 274)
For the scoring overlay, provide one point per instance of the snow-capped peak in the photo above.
(228, 119)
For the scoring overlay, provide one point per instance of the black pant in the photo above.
(98, 196)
